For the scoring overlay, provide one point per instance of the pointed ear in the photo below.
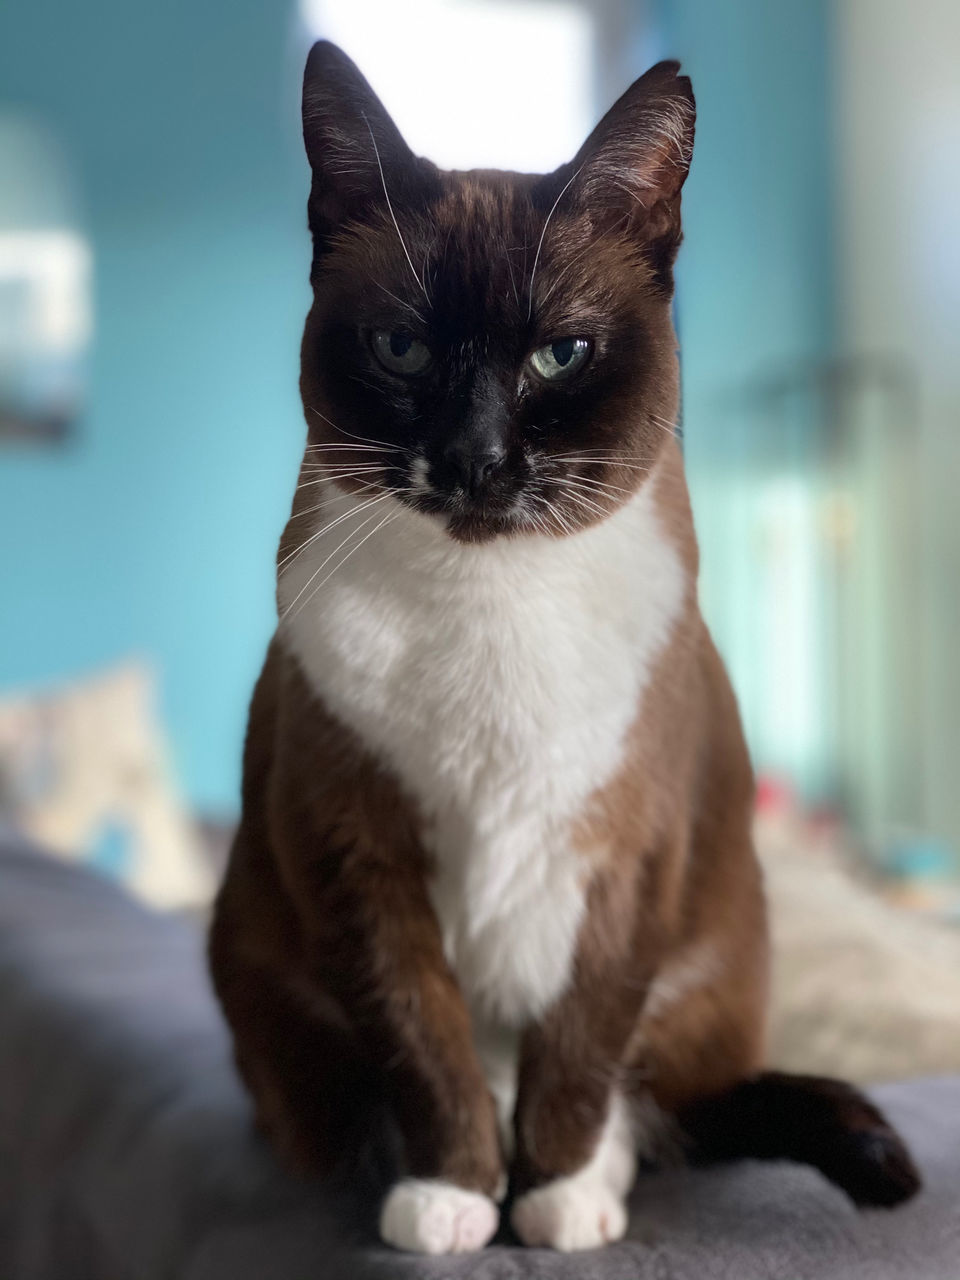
(356, 152)
(630, 170)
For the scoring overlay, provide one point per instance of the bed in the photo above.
(127, 1151)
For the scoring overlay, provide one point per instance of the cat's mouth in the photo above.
(468, 519)
(540, 499)
(492, 510)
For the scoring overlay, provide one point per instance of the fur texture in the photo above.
(494, 889)
(468, 671)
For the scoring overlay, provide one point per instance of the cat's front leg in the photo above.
(585, 1208)
(575, 1158)
(376, 939)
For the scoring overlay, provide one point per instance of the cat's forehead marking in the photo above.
(481, 222)
(487, 228)
(474, 248)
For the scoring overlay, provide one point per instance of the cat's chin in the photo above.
(471, 527)
(477, 529)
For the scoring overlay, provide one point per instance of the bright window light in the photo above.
(48, 274)
(505, 84)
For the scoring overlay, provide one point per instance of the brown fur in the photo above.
(328, 883)
(326, 951)
(672, 866)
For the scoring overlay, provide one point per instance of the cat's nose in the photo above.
(472, 467)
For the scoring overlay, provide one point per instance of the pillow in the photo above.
(84, 771)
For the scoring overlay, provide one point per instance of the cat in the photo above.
(494, 877)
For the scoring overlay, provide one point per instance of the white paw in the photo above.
(571, 1213)
(436, 1217)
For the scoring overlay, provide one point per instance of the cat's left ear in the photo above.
(630, 170)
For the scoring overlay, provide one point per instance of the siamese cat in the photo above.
(494, 877)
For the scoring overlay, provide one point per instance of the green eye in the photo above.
(561, 359)
(400, 352)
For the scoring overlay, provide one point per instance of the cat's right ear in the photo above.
(357, 154)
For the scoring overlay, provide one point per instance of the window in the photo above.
(504, 84)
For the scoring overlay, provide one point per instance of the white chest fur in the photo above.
(497, 682)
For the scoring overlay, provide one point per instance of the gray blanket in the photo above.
(126, 1148)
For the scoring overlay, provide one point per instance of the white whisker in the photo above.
(669, 428)
(333, 470)
(319, 569)
(327, 502)
(337, 444)
(571, 483)
(390, 516)
(330, 476)
(537, 520)
(408, 306)
(326, 529)
(563, 274)
(340, 496)
(376, 152)
(554, 512)
(383, 444)
(571, 491)
(513, 279)
(342, 468)
(602, 486)
(611, 456)
(571, 459)
(546, 224)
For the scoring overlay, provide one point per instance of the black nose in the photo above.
(473, 468)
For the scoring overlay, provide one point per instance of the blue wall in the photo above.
(755, 301)
(755, 281)
(154, 532)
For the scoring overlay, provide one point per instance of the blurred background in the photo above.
(153, 284)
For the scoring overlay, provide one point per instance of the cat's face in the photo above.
(495, 349)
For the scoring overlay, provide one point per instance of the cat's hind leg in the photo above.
(701, 1053)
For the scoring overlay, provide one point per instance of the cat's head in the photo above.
(495, 348)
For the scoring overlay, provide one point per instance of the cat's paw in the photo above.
(436, 1217)
(571, 1213)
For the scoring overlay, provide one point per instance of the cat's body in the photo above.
(495, 867)
(498, 684)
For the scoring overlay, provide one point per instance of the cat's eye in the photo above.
(561, 359)
(400, 352)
